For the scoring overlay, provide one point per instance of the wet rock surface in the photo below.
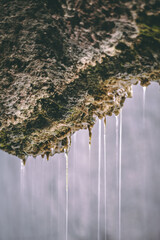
(64, 62)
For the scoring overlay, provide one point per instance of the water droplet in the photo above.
(52, 151)
(23, 162)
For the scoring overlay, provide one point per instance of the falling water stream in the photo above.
(89, 166)
(144, 103)
(74, 169)
(144, 159)
(119, 176)
(22, 176)
(117, 147)
(105, 181)
(22, 180)
(66, 155)
(117, 169)
(99, 179)
(59, 168)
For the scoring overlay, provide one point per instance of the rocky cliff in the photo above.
(64, 62)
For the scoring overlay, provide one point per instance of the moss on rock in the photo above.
(60, 68)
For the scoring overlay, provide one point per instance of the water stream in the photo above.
(99, 178)
(119, 176)
(144, 103)
(22, 170)
(89, 191)
(58, 186)
(66, 155)
(117, 148)
(105, 181)
(74, 169)
(22, 194)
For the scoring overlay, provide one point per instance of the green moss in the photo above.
(3, 137)
(150, 31)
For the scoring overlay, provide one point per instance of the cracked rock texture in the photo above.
(64, 62)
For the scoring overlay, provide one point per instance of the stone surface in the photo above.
(64, 62)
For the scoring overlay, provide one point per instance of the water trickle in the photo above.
(119, 175)
(90, 136)
(74, 170)
(105, 181)
(89, 182)
(117, 148)
(58, 219)
(89, 170)
(22, 174)
(99, 180)
(66, 155)
(52, 151)
(144, 103)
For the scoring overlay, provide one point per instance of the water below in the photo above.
(108, 191)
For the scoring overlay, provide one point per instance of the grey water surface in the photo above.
(33, 198)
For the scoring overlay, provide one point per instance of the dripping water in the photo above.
(74, 167)
(22, 176)
(52, 151)
(89, 168)
(33, 189)
(22, 169)
(105, 181)
(144, 160)
(58, 221)
(89, 182)
(99, 179)
(90, 136)
(66, 156)
(117, 149)
(144, 103)
(119, 175)
(117, 167)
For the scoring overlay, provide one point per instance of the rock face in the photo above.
(64, 62)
